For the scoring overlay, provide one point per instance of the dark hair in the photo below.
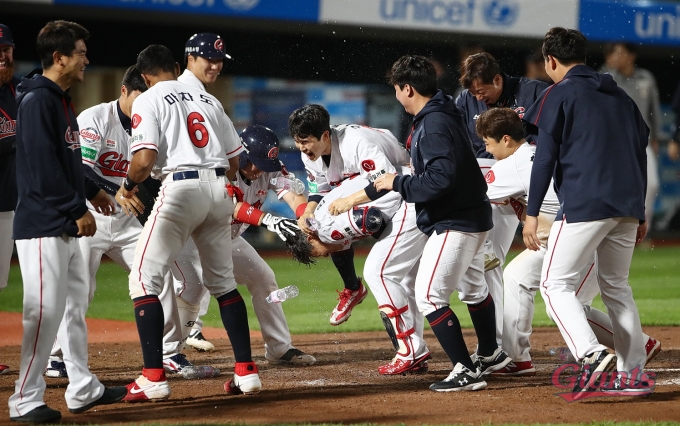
(416, 71)
(609, 48)
(480, 66)
(58, 36)
(498, 122)
(309, 120)
(566, 45)
(133, 80)
(155, 60)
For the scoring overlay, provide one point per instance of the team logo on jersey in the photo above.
(219, 44)
(273, 153)
(520, 110)
(337, 235)
(261, 192)
(71, 138)
(368, 165)
(113, 164)
(136, 119)
(490, 177)
(89, 135)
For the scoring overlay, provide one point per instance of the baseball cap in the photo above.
(262, 145)
(206, 45)
(6, 36)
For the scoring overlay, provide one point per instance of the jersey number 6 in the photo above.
(197, 132)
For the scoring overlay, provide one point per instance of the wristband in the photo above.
(129, 184)
(249, 214)
(300, 210)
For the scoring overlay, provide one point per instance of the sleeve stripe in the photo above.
(143, 145)
(236, 150)
(85, 160)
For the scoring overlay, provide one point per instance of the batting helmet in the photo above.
(205, 45)
(262, 148)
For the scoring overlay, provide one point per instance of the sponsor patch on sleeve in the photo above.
(139, 137)
(89, 135)
(88, 153)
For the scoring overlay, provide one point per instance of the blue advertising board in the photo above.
(645, 22)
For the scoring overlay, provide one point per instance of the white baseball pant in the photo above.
(390, 271)
(6, 246)
(55, 287)
(652, 185)
(570, 248)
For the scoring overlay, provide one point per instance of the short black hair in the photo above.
(155, 59)
(480, 66)
(609, 47)
(498, 122)
(309, 120)
(568, 46)
(58, 36)
(416, 71)
(133, 80)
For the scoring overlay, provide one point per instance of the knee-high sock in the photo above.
(235, 320)
(483, 317)
(344, 263)
(149, 318)
(446, 327)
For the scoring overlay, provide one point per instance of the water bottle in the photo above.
(290, 183)
(312, 224)
(278, 296)
(563, 354)
(200, 372)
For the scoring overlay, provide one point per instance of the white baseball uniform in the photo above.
(392, 264)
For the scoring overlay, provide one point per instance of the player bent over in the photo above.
(509, 183)
(453, 210)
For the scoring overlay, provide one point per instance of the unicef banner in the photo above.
(645, 22)
(289, 10)
(530, 18)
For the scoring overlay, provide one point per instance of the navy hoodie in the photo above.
(51, 185)
(518, 93)
(8, 123)
(592, 137)
(446, 186)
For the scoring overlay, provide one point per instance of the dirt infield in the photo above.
(344, 386)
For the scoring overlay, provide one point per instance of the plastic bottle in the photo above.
(282, 294)
(312, 223)
(200, 372)
(563, 354)
(290, 183)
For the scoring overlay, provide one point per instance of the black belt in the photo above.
(193, 174)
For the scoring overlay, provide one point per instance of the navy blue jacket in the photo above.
(8, 123)
(50, 181)
(592, 138)
(446, 186)
(519, 93)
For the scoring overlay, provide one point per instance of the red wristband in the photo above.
(300, 210)
(249, 214)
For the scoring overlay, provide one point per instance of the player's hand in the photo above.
(234, 192)
(641, 233)
(302, 223)
(673, 150)
(129, 202)
(86, 225)
(529, 233)
(102, 203)
(341, 205)
(282, 226)
(385, 182)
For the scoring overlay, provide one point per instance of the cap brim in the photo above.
(271, 165)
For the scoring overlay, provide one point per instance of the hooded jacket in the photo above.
(593, 137)
(50, 182)
(446, 186)
(8, 123)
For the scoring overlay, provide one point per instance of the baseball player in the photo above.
(184, 135)
(509, 182)
(487, 86)
(8, 122)
(602, 209)
(50, 215)
(454, 212)
(333, 154)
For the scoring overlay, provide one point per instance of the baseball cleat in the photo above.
(110, 396)
(347, 300)
(56, 369)
(653, 347)
(197, 341)
(491, 262)
(596, 362)
(4, 369)
(292, 356)
(176, 363)
(519, 368)
(494, 362)
(404, 367)
(40, 415)
(246, 380)
(143, 389)
(460, 379)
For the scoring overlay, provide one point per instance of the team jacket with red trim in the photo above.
(519, 93)
(592, 135)
(50, 182)
(8, 124)
(446, 186)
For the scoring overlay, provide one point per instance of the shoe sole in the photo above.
(148, 399)
(95, 404)
(471, 387)
(346, 317)
(234, 390)
(492, 265)
(655, 351)
(502, 365)
(55, 375)
(200, 347)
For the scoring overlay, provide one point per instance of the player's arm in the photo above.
(246, 213)
(297, 203)
(233, 168)
(547, 151)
